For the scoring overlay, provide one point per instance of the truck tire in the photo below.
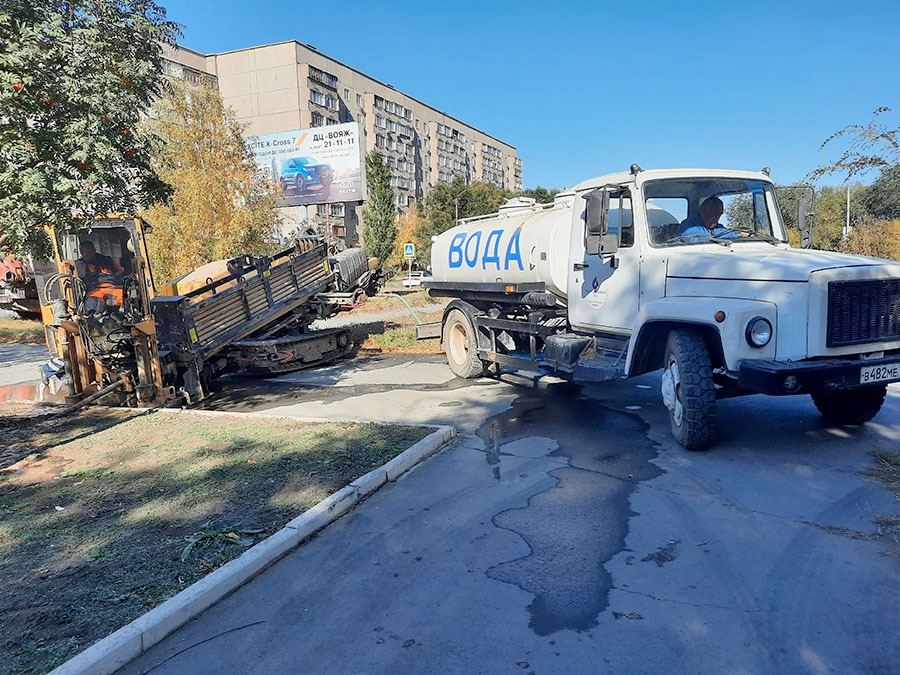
(688, 390)
(460, 346)
(853, 406)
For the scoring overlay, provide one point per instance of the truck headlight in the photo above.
(759, 332)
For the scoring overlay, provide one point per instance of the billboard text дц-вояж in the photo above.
(313, 166)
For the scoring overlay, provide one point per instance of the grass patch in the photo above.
(394, 336)
(21, 331)
(105, 514)
(887, 470)
(387, 303)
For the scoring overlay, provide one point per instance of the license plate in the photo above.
(884, 373)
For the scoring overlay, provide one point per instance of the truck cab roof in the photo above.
(621, 177)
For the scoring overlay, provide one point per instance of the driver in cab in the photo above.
(705, 223)
(100, 274)
(95, 268)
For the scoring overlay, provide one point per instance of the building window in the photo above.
(336, 210)
(316, 97)
(322, 77)
(317, 120)
(321, 210)
(330, 121)
(346, 94)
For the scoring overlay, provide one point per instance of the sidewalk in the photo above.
(21, 363)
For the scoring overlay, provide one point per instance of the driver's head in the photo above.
(711, 210)
(88, 250)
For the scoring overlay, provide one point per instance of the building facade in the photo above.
(290, 85)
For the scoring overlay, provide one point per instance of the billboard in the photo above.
(313, 166)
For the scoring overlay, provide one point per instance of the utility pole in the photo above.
(847, 226)
(456, 199)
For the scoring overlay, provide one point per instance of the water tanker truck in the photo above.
(685, 270)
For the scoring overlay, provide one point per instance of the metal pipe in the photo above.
(67, 367)
(96, 395)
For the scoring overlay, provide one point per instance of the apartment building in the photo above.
(291, 85)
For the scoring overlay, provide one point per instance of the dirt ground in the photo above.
(107, 513)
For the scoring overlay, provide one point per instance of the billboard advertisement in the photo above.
(313, 166)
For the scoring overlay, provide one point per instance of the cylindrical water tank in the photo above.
(520, 244)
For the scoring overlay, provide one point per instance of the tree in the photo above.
(881, 200)
(75, 77)
(446, 201)
(541, 194)
(221, 206)
(407, 227)
(872, 146)
(379, 212)
(831, 214)
(878, 238)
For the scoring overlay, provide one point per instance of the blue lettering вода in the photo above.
(465, 247)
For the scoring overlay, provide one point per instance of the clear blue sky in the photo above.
(583, 89)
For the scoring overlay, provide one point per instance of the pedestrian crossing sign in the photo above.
(409, 250)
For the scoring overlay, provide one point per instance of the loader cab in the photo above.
(104, 278)
(112, 253)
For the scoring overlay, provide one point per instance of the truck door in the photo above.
(604, 269)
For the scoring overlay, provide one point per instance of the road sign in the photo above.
(409, 250)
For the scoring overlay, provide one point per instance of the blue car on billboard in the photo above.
(305, 174)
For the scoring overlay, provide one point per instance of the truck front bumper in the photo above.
(780, 378)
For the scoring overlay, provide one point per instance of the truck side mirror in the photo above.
(597, 240)
(596, 212)
(803, 224)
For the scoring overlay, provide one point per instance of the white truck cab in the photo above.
(688, 270)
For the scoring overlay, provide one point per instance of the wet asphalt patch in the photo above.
(574, 528)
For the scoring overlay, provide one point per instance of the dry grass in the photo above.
(21, 331)
(887, 470)
(393, 336)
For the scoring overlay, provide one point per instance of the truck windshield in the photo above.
(686, 211)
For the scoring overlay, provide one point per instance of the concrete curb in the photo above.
(132, 640)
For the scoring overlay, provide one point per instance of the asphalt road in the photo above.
(564, 531)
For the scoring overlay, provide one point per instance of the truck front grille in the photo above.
(863, 311)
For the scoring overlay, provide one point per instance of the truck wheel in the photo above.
(460, 346)
(853, 406)
(688, 390)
